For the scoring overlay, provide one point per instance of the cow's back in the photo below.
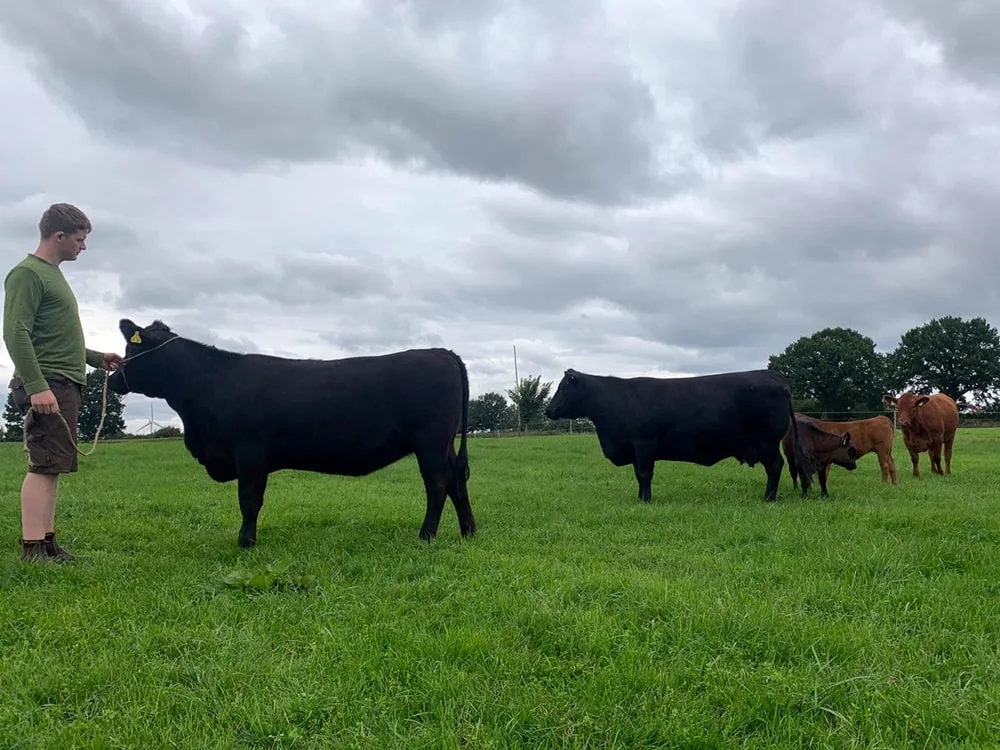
(707, 418)
(350, 416)
(868, 434)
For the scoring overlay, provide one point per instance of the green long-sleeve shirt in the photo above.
(41, 326)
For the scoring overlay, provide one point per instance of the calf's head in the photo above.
(907, 406)
(569, 400)
(844, 453)
(147, 367)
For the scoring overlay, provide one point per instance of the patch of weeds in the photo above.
(273, 577)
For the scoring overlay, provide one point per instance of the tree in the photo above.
(837, 368)
(90, 409)
(13, 420)
(490, 412)
(530, 398)
(949, 354)
(168, 432)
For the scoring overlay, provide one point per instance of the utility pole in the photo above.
(517, 390)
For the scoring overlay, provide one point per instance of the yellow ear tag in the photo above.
(136, 338)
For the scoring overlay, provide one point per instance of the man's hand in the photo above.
(45, 402)
(111, 361)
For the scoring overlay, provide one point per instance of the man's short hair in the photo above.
(63, 217)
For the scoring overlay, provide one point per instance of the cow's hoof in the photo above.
(427, 536)
(246, 542)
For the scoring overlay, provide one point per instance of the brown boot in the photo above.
(34, 551)
(56, 552)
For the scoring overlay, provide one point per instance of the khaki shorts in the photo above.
(51, 447)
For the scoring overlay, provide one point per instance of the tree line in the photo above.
(837, 370)
(834, 371)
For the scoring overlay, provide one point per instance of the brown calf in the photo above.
(826, 447)
(928, 424)
(874, 435)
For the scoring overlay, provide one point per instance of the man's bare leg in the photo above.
(38, 505)
(38, 515)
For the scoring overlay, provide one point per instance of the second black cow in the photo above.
(248, 415)
(700, 420)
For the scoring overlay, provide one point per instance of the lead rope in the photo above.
(100, 425)
(104, 404)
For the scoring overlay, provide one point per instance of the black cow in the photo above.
(247, 415)
(700, 420)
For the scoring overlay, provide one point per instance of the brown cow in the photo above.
(826, 447)
(928, 423)
(873, 435)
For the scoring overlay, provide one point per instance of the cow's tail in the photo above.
(462, 459)
(805, 463)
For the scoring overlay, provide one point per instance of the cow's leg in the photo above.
(948, 444)
(436, 473)
(935, 456)
(915, 459)
(458, 491)
(643, 465)
(823, 473)
(888, 467)
(252, 484)
(805, 488)
(793, 469)
(770, 456)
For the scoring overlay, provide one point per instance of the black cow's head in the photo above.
(570, 399)
(845, 453)
(144, 370)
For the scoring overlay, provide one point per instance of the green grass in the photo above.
(578, 617)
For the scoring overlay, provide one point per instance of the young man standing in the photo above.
(44, 338)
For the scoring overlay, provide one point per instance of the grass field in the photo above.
(578, 617)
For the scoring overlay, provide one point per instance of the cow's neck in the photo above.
(196, 385)
(600, 411)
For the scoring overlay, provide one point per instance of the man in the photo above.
(44, 338)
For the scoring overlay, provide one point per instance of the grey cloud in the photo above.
(787, 71)
(381, 333)
(576, 124)
(547, 220)
(769, 80)
(194, 330)
(966, 32)
(292, 280)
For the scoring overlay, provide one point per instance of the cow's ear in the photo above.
(889, 399)
(571, 375)
(131, 332)
(845, 439)
(922, 400)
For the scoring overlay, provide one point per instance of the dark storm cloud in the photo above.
(476, 96)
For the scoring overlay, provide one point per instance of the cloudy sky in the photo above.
(625, 187)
